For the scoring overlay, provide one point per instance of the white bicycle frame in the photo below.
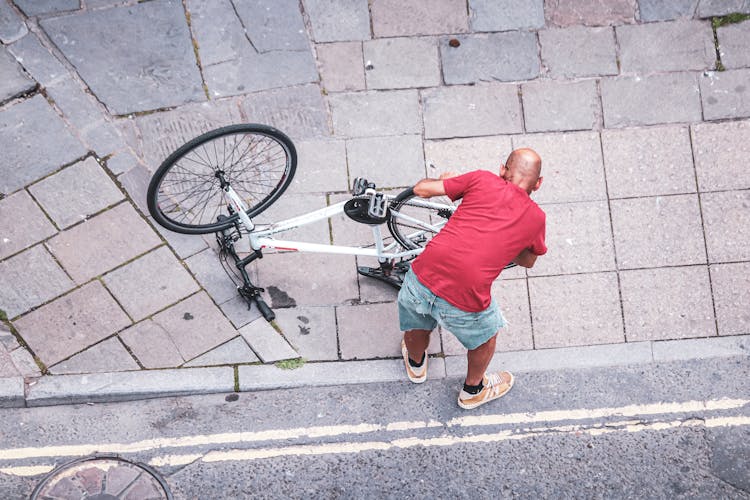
(261, 237)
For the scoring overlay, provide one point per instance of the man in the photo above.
(449, 283)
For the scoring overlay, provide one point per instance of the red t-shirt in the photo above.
(495, 221)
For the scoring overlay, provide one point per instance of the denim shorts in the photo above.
(420, 309)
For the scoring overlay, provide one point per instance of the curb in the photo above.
(128, 386)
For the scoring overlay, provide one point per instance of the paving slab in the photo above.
(32, 8)
(71, 323)
(8, 341)
(394, 63)
(321, 166)
(121, 162)
(468, 111)
(103, 137)
(361, 114)
(709, 8)
(26, 158)
(7, 367)
(725, 94)
(727, 225)
(571, 166)
(152, 345)
(78, 107)
(574, 246)
(129, 386)
(393, 161)
(238, 312)
(12, 392)
(15, 81)
(12, 26)
(135, 183)
(150, 283)
(29, 279)
(298, 111)
(134, 58)
(234, 352)
(594, 317)
(218, 30)
(209, 272)
(648, 161)
(718, 148)
(730, 284)
(589, 12)
(311, 331)
(196, 325)
(184, 245)
(670, 46)
(102, 242)
(667, 303)
(466, 154)
(550, 106)
(22, 224)
(733, 42)
(76, 192)
(107, 356)
(506, 15)
(25, 363)
(273, 25)
(649, 100)
(418, 17)
(37, 60)
(658, 231)
(266, 342)
(342, 66)
(578, 51)
(677, 350)
(338, 20)
(505, 57)
(666, 10)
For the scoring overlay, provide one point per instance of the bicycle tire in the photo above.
(185, 195)
(410, 235)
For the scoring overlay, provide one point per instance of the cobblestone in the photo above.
(709, 8)
(15, 81)
(661, 10)
(11, 26)
(22, 224)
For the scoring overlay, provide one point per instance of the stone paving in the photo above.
(639, 108)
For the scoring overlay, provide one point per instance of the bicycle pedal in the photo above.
(378, 206)
(360, 185)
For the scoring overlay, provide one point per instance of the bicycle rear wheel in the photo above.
(414, 220)
(185, 193)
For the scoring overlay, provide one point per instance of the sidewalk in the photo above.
(640, 111)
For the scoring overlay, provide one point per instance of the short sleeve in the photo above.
(455, 187)
(538, 246)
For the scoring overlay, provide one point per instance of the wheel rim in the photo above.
(190, 193)
(414, 225)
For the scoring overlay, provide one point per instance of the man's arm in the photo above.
(427, 188)
(526, 258)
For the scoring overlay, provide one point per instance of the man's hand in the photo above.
(526, 258)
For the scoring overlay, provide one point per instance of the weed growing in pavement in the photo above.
(290, 364)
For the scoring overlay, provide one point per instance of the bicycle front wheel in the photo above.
(185, 193)
(414, 221)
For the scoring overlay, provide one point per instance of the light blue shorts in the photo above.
(420, 309)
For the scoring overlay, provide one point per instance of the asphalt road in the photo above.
(677, 430)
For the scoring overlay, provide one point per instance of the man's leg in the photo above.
(479, 359)
(416, 343)
(482, 387)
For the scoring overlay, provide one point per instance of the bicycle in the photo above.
(218, 181)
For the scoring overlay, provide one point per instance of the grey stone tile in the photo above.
(37, 60)
(505, 15)
(8, 341)
(141, 77)
(152, 345)
(717, 146)
(372, 331)
(25, 363)
(671, 46)
(135, 182)
(467, 111)
(293, 205)
(209, 272)
(593, 317)
(648, 100)
(32, 8)
(75, 193)
(387, 161)
(708, 8)
(466, 154)
(298, 111)
(504, 57)
(267, 343)
(238, 312)
(308, 279)
(103, 242)
(225, 43)
(666, 10)
(724, 94)
(578, 51)
(12, 392)
(184, 245)
(106, 356)
(234, 352)
(195, 325)
(402, 63)
(418, 17)
(150, 283)
(102, 137)
(589, 12)
(311, 331)
(648, 161)
(29, 279)
(22, 223)
(727, 224)
(15, 81)
(321, 166)
(571, 166)
(375, 113)
(552, 106)
(7, 367)
(342, 66)
(338, 20)
(273, 25)
(77, 106)
(27, 159)
(12, 26)
(658, 231)
(733, 42)
(667, 303)
(731, 291)
(71, 323)
(121, 162)
(573, 246)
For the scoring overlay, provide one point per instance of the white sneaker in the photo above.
(496, 385)
(415, 374)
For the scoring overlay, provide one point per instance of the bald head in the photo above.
(523, 168)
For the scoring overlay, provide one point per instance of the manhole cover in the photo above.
(102, 478)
